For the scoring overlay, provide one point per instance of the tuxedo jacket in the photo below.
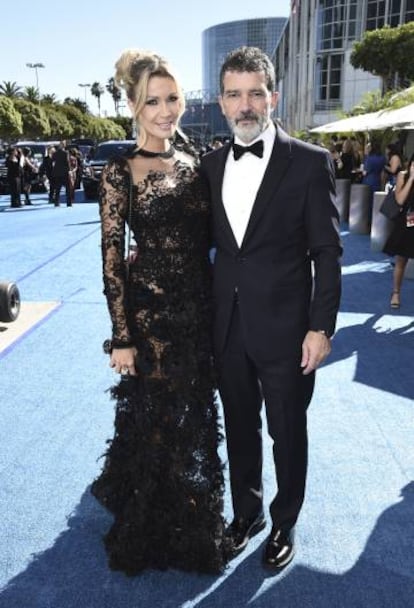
(286, 273)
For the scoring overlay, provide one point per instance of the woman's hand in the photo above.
(123, 361)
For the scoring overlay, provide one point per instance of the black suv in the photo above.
(93, 169)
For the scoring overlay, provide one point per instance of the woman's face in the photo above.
(162, 109)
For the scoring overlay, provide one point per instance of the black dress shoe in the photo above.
(279, 550)
(241, 530)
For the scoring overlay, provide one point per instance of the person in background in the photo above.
(400, 243)
(28, 171)
(73, 171)
(46, 171)
(373, 167)
(347, 159)
(162, 478)
(274, 219)
(336, 160)
(394, 164)
(14, 177)
(60, 173)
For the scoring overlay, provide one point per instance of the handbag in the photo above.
(389, 206)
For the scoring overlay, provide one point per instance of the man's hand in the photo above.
(315, 348)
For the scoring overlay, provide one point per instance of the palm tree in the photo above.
(10, 89)
(77, 103)
(49, 99)
(115, 92)
(31, 94)
(97, 90)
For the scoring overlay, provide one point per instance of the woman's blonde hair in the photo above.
(133, 71)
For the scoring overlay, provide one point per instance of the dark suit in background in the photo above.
(60, 173)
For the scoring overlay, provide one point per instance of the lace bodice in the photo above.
(168, 220)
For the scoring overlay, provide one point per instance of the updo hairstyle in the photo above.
(134, 69)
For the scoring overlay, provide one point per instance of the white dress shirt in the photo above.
(242, 179)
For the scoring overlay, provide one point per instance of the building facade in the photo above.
(312, 60)
(220, 39)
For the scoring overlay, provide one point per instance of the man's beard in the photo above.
(247, 133)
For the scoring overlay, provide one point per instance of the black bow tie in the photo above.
(256, 148)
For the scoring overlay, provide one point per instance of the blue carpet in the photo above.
(355, 536)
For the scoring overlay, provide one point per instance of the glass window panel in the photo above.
(334, 91)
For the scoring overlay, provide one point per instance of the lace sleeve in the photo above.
(113, 207)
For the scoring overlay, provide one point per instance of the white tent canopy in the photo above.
(394, 118)
(371, 121)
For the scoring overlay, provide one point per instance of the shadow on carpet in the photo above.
(73, 574)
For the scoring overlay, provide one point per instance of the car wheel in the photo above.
(9, 302)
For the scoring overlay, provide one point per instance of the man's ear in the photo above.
(274, 99)
(220, 100)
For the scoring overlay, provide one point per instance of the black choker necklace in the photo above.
(147, 154)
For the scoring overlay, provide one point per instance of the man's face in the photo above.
(247, 103)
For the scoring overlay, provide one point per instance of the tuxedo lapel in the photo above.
(279, 163)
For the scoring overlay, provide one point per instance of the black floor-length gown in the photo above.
(401, 239)
(162, 478)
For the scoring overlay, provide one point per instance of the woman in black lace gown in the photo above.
(162, 477)
(400, 243)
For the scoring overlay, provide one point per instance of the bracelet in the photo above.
(109, 345)
(119, 343)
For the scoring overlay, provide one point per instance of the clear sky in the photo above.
(78, 41)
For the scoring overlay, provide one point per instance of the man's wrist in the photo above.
(323, 332)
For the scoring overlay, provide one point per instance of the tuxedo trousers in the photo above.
(244, 384)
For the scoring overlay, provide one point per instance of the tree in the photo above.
(10, 89)
(76, 103)
(31, 94)
(97, 90)
(11, 124)
(125, 123)
(49, 99)
(386, 53)
(115, 92)
(60, 126)
(35, 122)
(79, 121)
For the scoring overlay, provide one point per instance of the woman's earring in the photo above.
(134, 128)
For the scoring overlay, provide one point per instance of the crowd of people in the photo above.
(382, 171)
(60, 167)
(368, 164)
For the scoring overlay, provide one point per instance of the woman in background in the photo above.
(373, 168)
(394, 164)
(400, 243)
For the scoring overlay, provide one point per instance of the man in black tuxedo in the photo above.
(276, 293)
(60, 174)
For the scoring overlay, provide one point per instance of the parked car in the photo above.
(93, 168)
